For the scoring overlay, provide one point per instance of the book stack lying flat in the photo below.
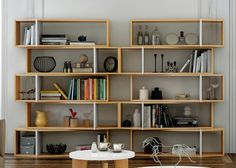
(83, 147)
(50, 95)
(53, 39)
(87, 89)
(183, 121)
(82, 43)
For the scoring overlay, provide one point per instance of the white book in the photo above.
(202, 62)
(32, 37)
(185, 65)
(149, 124)
(195, 61)
(205, 61)
(198, 66)
(28, 36)
(191, 63)
(153, 116)
(25, 35)
(208, 60)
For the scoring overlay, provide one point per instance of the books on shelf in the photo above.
(29, 35)
(56, 85)
(54, 39)
(156, 116)
(87, 89)
(199, 61)
(83, 70)
(83, 147)
(82, 43)
(182, 121)
(50, 95)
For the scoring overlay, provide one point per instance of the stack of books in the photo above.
(82, 43)
(83, 147)
(53, 39)
(29, 35)
(88, 68)
(156, 116)
(87, 89)
(183, 121)
(50, 95)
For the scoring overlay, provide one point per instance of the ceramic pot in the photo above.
(41, 119)
(74, 122)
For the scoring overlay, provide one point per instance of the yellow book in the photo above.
(49, 91)
(95, 89)
(60, 90)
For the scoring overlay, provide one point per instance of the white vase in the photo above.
(143, 93)
(137, 118)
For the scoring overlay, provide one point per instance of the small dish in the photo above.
(172, 39)
(191, 39)
(116, 151)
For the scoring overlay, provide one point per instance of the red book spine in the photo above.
(93, 89)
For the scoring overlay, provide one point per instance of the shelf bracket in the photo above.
(94, 115)
(200, 142)
(94, 60)
(142, 115)
(142, 60)
(200, 88)
(200, 32)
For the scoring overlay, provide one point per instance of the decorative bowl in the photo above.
(44, 63)
(56, 148)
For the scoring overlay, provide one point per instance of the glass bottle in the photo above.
(156, 39)
(140, 35)
(146, 36)
(168, 66)
(181, 38)
(175, 67)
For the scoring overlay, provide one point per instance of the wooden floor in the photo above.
(229, 161)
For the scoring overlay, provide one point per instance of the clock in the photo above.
(110, 64)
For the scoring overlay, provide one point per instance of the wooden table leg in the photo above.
(122, 163)
(79, 163)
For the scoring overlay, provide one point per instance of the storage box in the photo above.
(27, 140)
(27, 149)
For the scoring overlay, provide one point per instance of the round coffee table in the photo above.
(80, 158)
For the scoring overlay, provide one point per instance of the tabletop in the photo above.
(101, 155)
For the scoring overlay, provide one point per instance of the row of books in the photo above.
(87, 89)
(29, 35)
(199, 61)
(156, 116)
(50, 95)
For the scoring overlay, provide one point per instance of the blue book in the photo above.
(69, 92)
(75, 89)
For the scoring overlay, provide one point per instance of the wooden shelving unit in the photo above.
(123, 71)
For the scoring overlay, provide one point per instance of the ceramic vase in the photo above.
(41, 119)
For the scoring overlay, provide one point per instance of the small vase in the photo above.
(41, 119)
(137, 118)
(74, 122)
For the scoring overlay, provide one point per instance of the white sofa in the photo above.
(2, 142)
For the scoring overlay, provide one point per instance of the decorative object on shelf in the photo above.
(83, 59)
(56, 148)
(127, 122)
(41, 119)
(82, 38)
(191, 39)
(28, 95)
(162, 62)
(214, 83)
(83, 147)
(148, 148)
(183, 96)
(140, 40)
(137, 118)
(156, 38)
(181, 40)
(110, 64)
(69, 66)
(44, 63)
(187, 111)
(65, 68)
(86, 121)
(156, 94)
(171, 67)
(146, 36)
(172, 39)
(73, 120)
(177, 149)
(155, 58)
(66, 120)
(143, 93)
(94, 147)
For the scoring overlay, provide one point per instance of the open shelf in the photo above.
(213, 154)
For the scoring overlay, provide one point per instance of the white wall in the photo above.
(119, 12)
